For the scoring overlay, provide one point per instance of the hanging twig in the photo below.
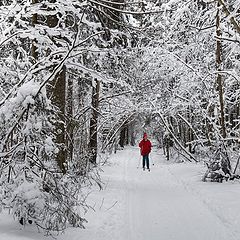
(112, 206)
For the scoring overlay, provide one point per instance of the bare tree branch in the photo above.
(123, 11)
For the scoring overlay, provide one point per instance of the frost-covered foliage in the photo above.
(40, 42)
(32, 185)
(37, 39)
(176, 62)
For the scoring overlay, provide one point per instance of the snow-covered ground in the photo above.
(168, 203)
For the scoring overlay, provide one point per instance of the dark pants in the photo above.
(145, 161)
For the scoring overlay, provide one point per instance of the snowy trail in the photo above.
(168, 203)
(160, 207)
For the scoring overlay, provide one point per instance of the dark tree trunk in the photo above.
(59, 100)
(58, 92)
(70, 123)
(122, 137)
(219, 76)
(94, 122)
(131, 134)
(34, 22)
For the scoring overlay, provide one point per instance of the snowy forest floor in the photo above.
(168, 203)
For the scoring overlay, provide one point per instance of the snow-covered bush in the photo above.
(33, 187)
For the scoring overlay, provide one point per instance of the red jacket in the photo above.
(145, 147)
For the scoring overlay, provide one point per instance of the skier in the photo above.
(145, 147)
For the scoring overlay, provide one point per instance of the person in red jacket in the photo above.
(145, 147)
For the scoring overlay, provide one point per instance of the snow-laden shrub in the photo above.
(33, 187)
(51, 202)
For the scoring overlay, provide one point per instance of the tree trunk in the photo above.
(131, 133)
(94, 122)
(190, 131)
(70, 123)
(219, 76)
(58, 92)
(167, 149)
(34, 22)
(82, 132)
(59, 100)
(124, 135)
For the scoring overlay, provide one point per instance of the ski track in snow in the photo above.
(160, 207)
(168, 203)
(212, 208)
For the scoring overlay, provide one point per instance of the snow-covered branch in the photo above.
(228, 13)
